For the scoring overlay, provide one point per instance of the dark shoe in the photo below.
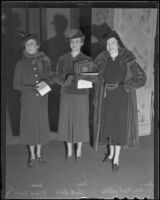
(106, 158)
(115, 167)
(41, 159)
(68, 160)
(78, 159)
(30, 162)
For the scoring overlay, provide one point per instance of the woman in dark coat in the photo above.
(115, 118)
(33, 68)
(73, 124)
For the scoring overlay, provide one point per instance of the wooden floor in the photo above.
(91, 178)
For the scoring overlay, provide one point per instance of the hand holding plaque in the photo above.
(43, 88)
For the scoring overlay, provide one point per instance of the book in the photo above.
(82, 84)
(43, 88)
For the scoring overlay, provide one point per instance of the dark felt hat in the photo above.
(112, 34)
(28, 37)
(75, 33)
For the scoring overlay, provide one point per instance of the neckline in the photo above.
(113, 59)
(76, 55)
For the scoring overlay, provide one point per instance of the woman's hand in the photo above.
(112, 86)
(69, 79)
(33, 87)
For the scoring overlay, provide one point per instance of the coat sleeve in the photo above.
(17, 80)
(138, 77)
(50, 75)
(60, 76)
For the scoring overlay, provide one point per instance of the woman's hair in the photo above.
(82, 39)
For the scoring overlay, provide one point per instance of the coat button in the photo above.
(36, 75)
(37, 94)
(34, 68)
(37, 81)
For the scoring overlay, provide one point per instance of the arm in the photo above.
(17, 80)
(60, 76)
(50, 75)
(138, 78)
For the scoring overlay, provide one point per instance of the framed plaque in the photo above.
(83, 66)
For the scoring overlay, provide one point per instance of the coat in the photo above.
(34, 125)
(135, 78)
(73, 125)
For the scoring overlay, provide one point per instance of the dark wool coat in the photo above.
(34, 126)
(135, 78)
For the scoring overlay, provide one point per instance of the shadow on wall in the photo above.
(55, 47)
(97, 32)
(13, 54)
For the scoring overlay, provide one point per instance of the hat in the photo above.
(28, 37)
(112, 34)
(99, 30)
(75, 33)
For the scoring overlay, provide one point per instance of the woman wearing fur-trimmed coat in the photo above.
(115, 102)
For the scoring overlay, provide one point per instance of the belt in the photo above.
(111, 86)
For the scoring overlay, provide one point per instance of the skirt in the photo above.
(73, 125)
(34, 122)
(114, 119)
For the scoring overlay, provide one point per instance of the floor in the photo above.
(91, 178)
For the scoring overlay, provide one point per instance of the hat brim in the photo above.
(35, 37)
(74, 37)
(113, 34)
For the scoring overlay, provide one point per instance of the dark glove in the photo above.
(33, 87)
(69, 79)
(79, 76)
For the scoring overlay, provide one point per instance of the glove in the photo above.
(69, 80)
(33, 87)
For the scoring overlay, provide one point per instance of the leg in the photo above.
(39, 150)
(69, 149)
(111, 152)
(32, 155)
(109, 157)
(40, 158)
(79, 149)
(117, 154)
(32, 148)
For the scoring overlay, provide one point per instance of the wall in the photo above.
(102, 20)
(137, 28)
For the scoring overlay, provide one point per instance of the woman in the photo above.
(115, 119)
(33, 68)
(73, 127)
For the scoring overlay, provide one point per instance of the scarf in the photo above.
(43, 63)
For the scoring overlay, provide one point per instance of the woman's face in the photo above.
(31, 46)
(112, 45)
(76, 44)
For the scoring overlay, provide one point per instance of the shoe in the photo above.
(31, 162)
(106, 158)
(78, 159)
(115, 167)
(68, 159)
(41, 159)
